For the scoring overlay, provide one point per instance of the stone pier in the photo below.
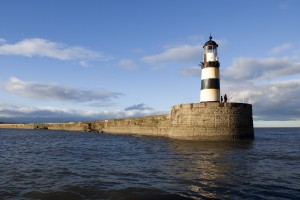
(194, 121)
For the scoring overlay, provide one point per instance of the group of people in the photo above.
(225, 98)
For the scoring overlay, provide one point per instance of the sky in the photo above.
(63, 60)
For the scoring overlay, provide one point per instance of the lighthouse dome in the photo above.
(210, 42)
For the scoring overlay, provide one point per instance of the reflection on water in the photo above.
(208, 166)
(39, 164)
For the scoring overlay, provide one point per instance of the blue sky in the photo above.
(88, 60)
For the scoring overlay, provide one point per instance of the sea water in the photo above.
(44, 164)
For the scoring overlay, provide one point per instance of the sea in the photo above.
(44, 164)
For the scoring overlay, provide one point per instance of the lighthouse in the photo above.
(210, 75)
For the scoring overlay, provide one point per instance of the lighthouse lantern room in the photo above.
(210, 76)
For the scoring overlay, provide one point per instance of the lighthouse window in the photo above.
(209, 49)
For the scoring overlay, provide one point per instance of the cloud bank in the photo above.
(271, 101)
(54, 92)
(253, 69)
(19, 113)
(42, 91)
(270, 84)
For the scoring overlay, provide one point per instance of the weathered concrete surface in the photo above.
(195, 121)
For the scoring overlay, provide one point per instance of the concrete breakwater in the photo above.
(194, 121)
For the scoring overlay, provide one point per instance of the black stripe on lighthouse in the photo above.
(211, 83)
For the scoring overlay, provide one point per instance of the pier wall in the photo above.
(212, 121)
(151, 125)
(67, 126)
(194, 121)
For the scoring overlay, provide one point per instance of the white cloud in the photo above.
(45, 48)
(182, 53)
(42, 91)
(281, 48)
(253, 69)
(128, 64)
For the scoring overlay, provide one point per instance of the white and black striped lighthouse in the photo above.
(210, 75)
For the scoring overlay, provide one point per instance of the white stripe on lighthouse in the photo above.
(210, 95)
(210, 72)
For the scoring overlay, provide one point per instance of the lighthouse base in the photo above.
(212, 121)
